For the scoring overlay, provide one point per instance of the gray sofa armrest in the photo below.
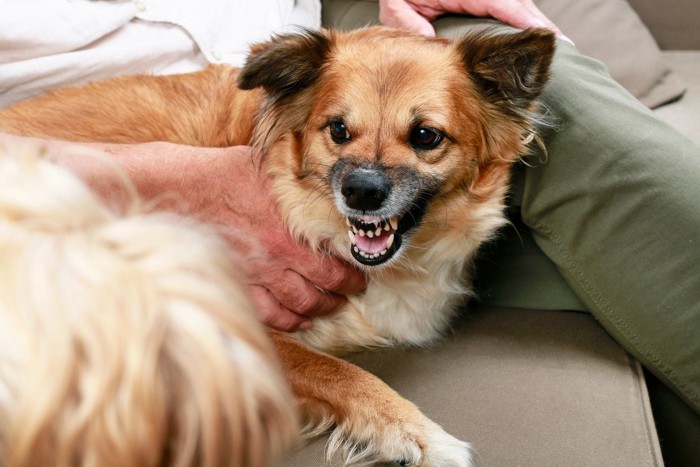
(675, 24)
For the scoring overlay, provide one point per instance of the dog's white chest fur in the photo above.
(411, 305)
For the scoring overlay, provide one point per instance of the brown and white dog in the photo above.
(389, 148)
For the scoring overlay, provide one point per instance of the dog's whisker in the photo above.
(320, 195)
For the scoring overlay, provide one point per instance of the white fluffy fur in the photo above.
(124, 340)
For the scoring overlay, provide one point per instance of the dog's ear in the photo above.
(509, 69)
(286, 64)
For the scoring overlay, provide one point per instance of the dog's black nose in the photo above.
(365, 190)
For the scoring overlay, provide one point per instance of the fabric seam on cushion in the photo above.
(663, 80)
(646, 410)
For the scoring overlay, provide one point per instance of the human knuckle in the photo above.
(307, 302)
(278, 318)
(334, 279)
(286, 324)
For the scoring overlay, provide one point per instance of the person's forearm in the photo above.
(118, 172)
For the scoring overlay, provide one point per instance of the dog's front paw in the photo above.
(443, 450)
(405, 444)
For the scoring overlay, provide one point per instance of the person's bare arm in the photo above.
(221, 186)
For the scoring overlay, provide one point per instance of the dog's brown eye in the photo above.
(424, 138)
(339, 133)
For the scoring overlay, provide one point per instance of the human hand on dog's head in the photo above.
(416, 15)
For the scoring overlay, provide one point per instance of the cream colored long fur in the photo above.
(125, 340)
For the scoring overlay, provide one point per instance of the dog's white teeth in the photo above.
(354, 229)
(362, 233)
(378, 232)
(382, 253)
(347, 221)
(370, 234)
(394, 221)
(390, 241)
(387, 227)
(357, 250)
(352, 237)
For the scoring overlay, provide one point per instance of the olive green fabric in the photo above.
(616, 208)
(512, 271)
(634, 60)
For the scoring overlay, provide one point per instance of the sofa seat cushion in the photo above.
(525, 387)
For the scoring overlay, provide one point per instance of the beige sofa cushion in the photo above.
(611, 31)
(531, 388)
(674, 25)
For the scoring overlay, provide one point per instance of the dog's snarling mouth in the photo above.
(375, 240)
(382, 206)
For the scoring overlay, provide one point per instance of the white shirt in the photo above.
(51, 43)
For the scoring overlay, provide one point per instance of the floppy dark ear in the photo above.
(286, 64)
(509, 68)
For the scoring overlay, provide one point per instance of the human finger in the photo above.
(298, 295)
(331, 274)
(399, 14)
(549, 24)
(273, 314)
(522, 14)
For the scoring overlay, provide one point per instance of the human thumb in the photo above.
(399, 14)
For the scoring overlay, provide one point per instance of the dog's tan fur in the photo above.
(480, 91)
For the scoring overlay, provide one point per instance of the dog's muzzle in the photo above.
(381, 205)
(365, 189)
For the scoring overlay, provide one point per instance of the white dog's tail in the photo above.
(125, 340)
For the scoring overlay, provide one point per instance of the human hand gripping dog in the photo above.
(289, 283)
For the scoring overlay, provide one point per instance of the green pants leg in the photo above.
(616, 207)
